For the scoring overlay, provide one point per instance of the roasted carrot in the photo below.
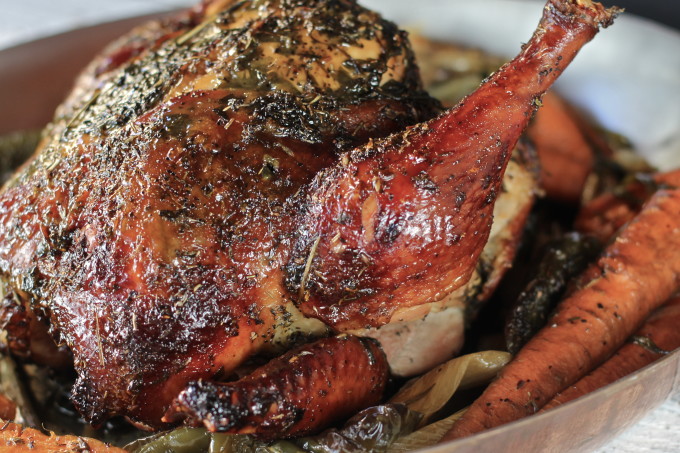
(637, 272)
(604, 215)
(14, 437)
(669, 178)
(658, 336)
(565, 156)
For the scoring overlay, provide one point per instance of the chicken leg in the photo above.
(402, 221)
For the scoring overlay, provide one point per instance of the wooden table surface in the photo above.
(25, 20)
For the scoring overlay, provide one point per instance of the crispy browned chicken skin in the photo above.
(154, 226)
(196, 196)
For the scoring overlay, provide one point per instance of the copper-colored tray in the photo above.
(34, 77)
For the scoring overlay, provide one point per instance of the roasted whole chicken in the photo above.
(253, 177)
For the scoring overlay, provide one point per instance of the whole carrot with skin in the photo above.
(16, 438)
(604, 215)
(637, 273)
(659, 335)
(564, 153)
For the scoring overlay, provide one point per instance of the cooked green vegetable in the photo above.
(564, 258)
(180, 440)
(425, 437)
(430, 392)
(236, 443)
(373, 429)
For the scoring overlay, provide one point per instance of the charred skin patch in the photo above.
(299, 392)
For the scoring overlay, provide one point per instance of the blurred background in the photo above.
(664, 11)
(25, 20)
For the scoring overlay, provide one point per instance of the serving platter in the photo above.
(628, 80)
